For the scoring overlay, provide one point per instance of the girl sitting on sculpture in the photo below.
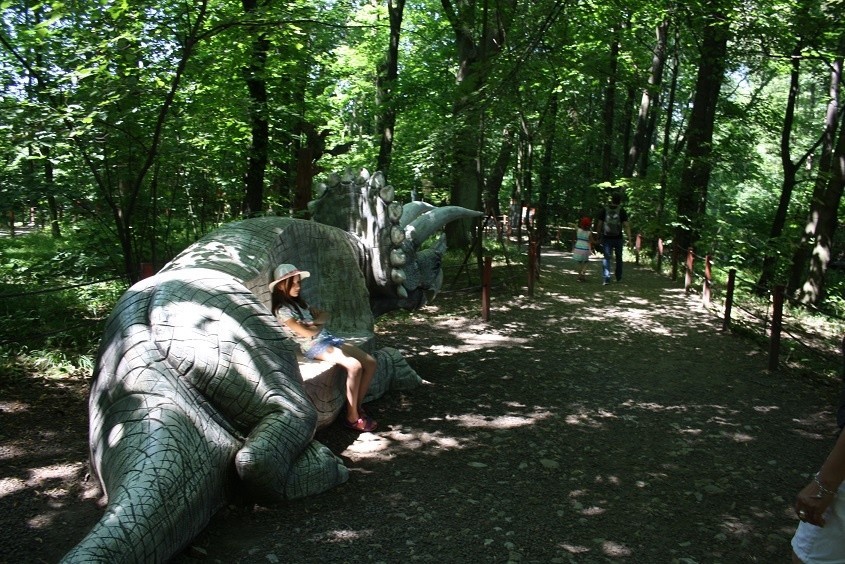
(305, 325)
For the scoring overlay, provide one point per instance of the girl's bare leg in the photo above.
(354, 379)
(368, 370)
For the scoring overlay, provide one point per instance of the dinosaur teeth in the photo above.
(387, 193)
(398, 276)
(397, 257)
(394, 211)
(397, 236)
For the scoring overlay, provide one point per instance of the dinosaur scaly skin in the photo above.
(196, 392)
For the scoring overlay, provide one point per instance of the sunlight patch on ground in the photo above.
(13, 407)
(343, 536)
(500, 422)
(651, 406)
(56, 471)
(566, 299)
(615, 549)
(8, 452)
(384, 444)
(740, 437)
(593, 511)
(582, 418)
(574, 548)
(474, 335)
(8, 486)
(641, 319)
(38, 477)
(735, 527)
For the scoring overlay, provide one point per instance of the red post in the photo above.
(843, 358)
(676, 256)
(688, 274)
(659, 254)
(708, 281)
(146, 270)
(532, 263)
(729, 299)
(638, 244)
(485, 288)
(777, 322)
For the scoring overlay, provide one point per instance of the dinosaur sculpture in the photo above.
(197, 395)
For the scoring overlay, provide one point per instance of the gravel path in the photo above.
(584, 424)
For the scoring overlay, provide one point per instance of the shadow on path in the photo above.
(588, 424)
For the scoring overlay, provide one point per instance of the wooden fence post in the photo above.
(531, 266)
(675, 258)
(729, 299)
(708, 281)
(688, 273)
(485, 289)
(638, 244)
(146, 270)
(777, 322)
(659, 255)
(842, 348)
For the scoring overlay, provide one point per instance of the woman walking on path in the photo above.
(583, 246)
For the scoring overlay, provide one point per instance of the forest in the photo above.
(135, 127)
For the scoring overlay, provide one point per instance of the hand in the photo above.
(810, 504)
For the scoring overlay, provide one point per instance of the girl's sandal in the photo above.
(361, 425)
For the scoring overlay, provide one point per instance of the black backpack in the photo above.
(613, 221)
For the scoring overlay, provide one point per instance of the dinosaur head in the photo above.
(392, 240)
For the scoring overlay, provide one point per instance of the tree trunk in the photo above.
(667, 137)
(790, 169)
(464, 190)
(257, 87)
(546, 169)
(386, 85)
(802, 253)
(692, 200)
(639, 151)
(609, 110)
(497, 175)
(812, 291)
(473, 56)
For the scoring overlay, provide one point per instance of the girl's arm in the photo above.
(301, 329)
(320, 317)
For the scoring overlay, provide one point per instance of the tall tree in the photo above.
(476, 43)
(256, 82)
(692, 199)
(609, 110)
(638, 154)
(550, 126)
(790, 170)
(812, 291)
(388, 73)
(821, 196)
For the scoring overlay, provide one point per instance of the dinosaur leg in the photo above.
(161, 467)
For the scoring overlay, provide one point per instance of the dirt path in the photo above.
(585, 424)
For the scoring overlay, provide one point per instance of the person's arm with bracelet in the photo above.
(815, 497)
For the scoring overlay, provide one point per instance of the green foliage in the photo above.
(52, 307)
(84, 87)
